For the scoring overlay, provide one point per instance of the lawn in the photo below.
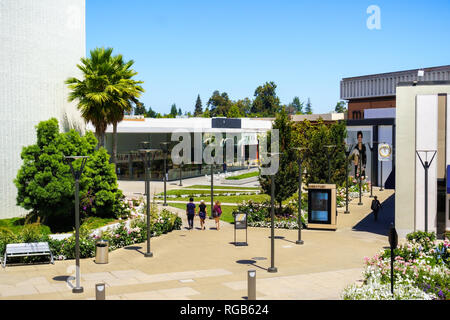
(221, 187)
(16, 225)
(244, 176)
(179, 192)
(226, 211)
(228, 199)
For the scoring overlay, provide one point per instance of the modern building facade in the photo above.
(40, 44)
(132, 132)
(423, 117)
(378, 91)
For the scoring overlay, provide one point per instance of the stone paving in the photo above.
(205, 264)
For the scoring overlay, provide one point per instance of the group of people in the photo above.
(191, 212)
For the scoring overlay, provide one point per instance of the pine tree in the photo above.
(198, 107)
(308, 108)
(173, 111)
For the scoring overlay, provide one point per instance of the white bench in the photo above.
(27, 249)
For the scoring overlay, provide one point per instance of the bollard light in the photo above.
(251, 281)
(100, 291)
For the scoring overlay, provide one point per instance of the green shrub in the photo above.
(46, 186)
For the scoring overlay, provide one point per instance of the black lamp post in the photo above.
(393, 242)
(371, 148)
(272, 268)
(181, 174)
(300, 177)
(146, 158)
(165, 149)
(212, 190)
(77, 175)
(348, 149)
(426, 165)
(328, 148)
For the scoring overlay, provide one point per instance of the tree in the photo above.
(296, 106)
(150, 113)
(139, 109)
(244, 105)
(341, 107)
(180, 113)
(286, 177)
(308, 108)
(234, 112)
(314, 137)
(105, 92)
(45, 183)
(266, 102)
(219, 104)
(206, 114)
(173, 111)
(198, 107)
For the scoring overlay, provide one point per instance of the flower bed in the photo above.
(421, 271)
(121, 236)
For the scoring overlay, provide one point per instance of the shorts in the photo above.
(202, 215)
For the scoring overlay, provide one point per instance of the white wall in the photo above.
(426, 139)
(41, 41)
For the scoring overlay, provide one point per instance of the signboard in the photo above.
(322, 206)
(249, 139)
(240, 223)
(448, 179)
(384, 152)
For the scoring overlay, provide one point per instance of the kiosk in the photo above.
(322, 212)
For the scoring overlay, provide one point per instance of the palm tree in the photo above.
(128, 92)
(106, 91)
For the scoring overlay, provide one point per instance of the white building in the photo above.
(41, 41)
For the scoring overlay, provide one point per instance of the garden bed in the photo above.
(421, 271)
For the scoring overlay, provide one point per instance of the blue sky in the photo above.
(185, 48)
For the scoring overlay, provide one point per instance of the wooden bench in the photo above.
(27, 249)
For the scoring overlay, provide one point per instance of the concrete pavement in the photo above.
(197, 264)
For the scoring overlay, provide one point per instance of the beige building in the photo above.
(422, 124)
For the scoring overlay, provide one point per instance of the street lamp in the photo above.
(371, 148)
(146, 158)
(300, 171)
(348, 149)
(181, 174)
(272, 268)
(165, 148)
(212, 189)
(426, 165)
(328, 148)
(77, 175)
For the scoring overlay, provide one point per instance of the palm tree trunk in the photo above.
(114, 147)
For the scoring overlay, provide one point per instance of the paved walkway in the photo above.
(205, 264)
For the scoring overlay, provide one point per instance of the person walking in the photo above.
(217, 212)
(202, 214)
(376, 205)
(190, 211)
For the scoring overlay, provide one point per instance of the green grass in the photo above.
(220, 187)
(16, 225)
(95, 222)
(228, 199)
(226, 211)
(179, 192)
(244, 176)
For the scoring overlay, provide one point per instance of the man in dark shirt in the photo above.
(376, 205)
(190, 211)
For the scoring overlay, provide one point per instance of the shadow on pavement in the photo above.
(251, 263)
(136, 248)
(386, 216)
(282, 238)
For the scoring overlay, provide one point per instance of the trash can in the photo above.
(101, 251)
